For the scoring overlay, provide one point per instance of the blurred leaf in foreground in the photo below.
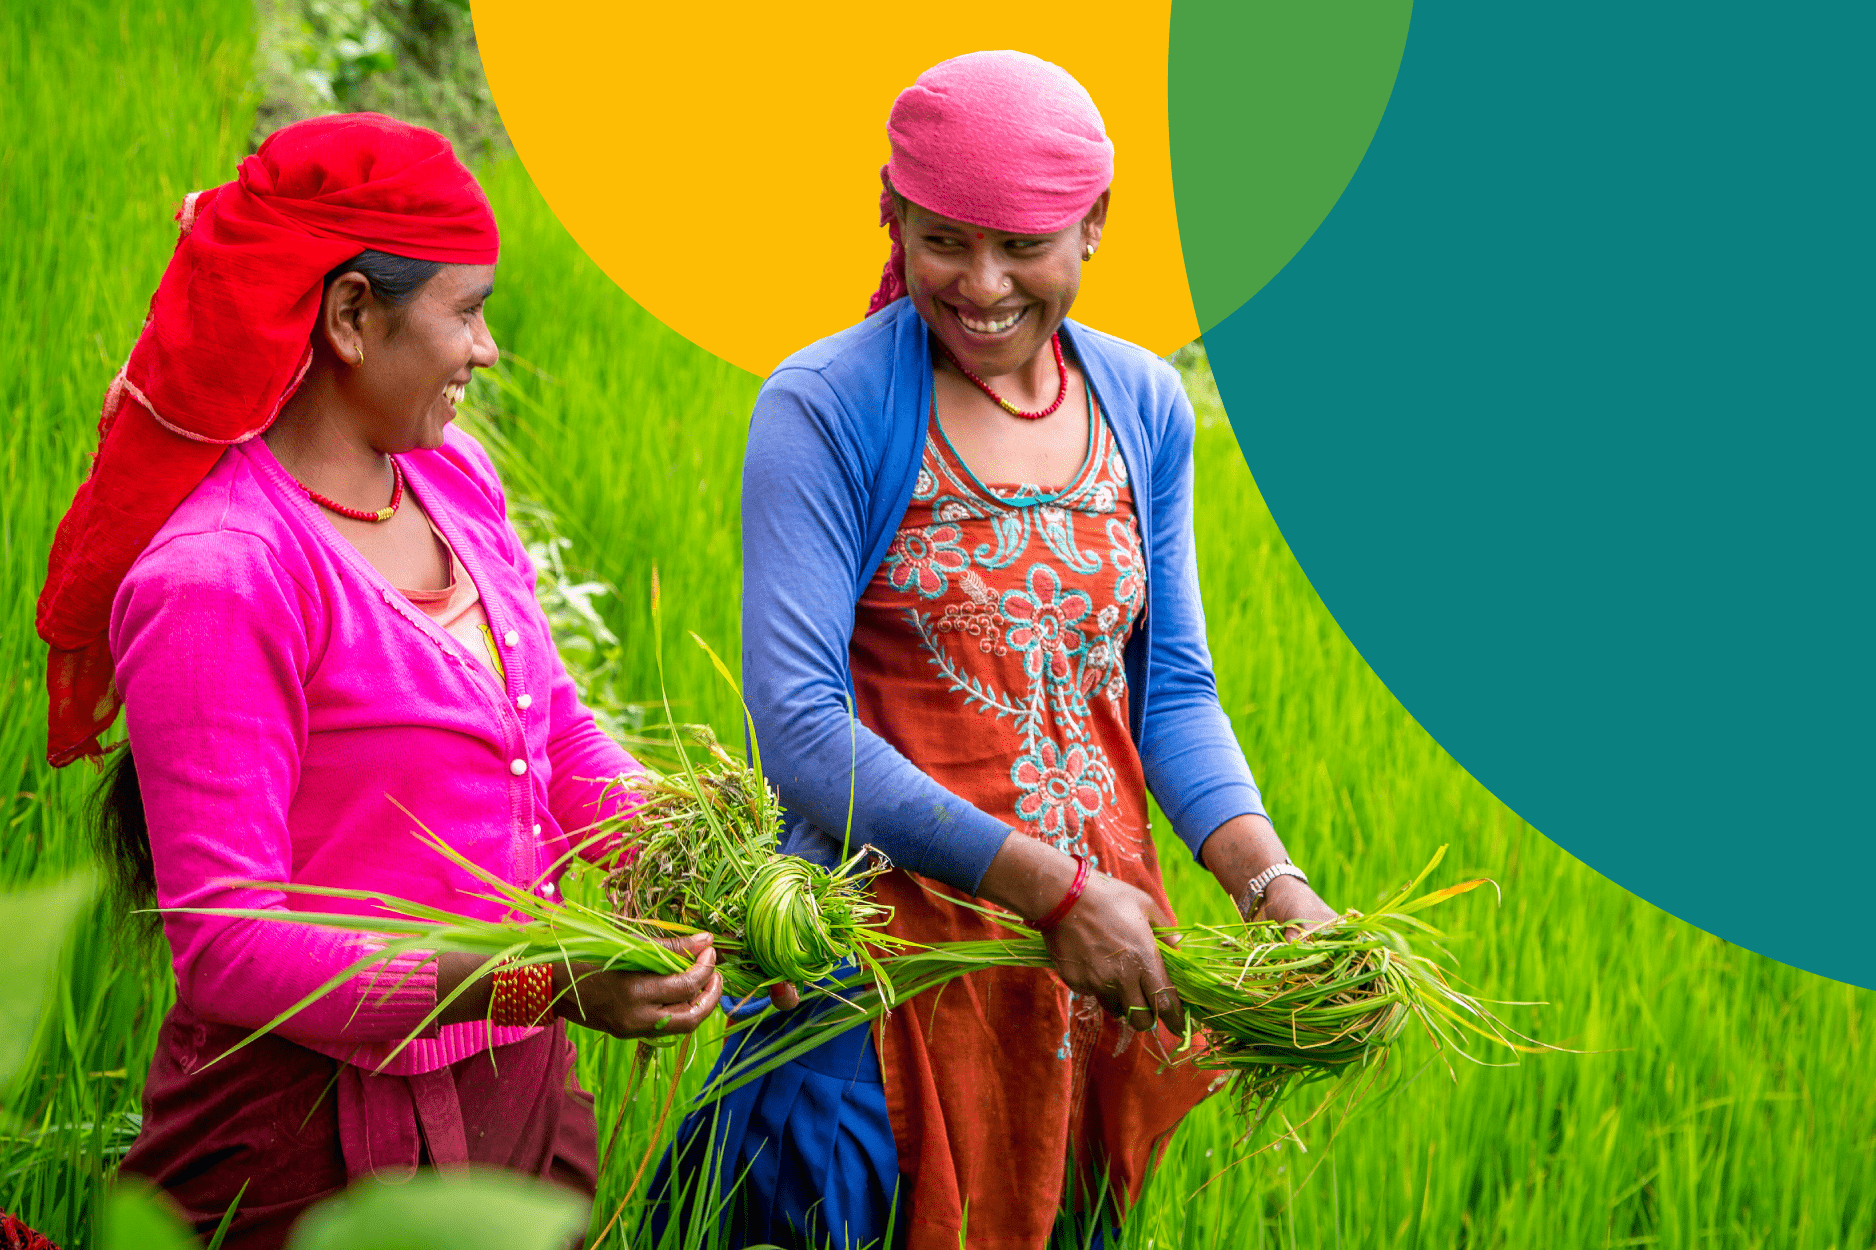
(35, 922)
(137, 1217)
(477, 1210)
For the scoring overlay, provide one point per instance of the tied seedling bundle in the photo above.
(701, 851)
(1277, 1014)
(707, 861)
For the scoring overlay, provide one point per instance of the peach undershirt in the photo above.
(457, 607)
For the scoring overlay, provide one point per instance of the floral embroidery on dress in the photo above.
(1057, 787)
(922, 559)
(1124, 555)
(1042, 624)
(1037, 590)
(976, 617)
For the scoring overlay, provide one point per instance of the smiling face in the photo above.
(417, 356)
(994, 298)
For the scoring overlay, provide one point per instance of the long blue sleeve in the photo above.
(807, 478)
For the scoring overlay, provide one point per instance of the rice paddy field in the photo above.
(1725, 1100)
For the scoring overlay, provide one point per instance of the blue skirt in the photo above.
(805, 1152)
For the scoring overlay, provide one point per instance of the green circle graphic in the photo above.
(1270, 108)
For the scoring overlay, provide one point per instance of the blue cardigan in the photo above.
(834, 449)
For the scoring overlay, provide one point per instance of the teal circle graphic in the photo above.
(1566, 411)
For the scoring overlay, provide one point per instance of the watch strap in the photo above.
(1255, 888)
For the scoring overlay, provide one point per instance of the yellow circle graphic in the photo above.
(722, 164)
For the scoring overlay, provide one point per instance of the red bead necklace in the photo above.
(359, 514)
(1061, 369)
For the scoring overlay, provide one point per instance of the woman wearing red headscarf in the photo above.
(972, 518)
(298, 580)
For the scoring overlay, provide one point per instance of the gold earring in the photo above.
(1087, 253)
(361, 356)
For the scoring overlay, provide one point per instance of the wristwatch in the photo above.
(1253, 896)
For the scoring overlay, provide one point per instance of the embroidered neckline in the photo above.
(939, 448)
(1026, 496)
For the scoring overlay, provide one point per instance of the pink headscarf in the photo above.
(1003, 140)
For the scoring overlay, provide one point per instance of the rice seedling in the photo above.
(798, 921)
(703, 854)
(701, 850)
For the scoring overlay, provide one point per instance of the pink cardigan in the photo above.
(280, 695)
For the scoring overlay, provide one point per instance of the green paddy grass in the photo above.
(1728, 1101)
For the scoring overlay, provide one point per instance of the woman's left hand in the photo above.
(1286, 898)
(1245, 846)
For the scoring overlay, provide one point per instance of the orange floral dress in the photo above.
(988, 649)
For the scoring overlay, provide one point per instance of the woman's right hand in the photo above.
(1105, 945)
(642, 1004)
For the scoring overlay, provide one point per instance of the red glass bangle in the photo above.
(540, 992)
(504, 997)
(1068, 900)
(519, 996)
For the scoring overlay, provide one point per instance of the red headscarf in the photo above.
(228, 338)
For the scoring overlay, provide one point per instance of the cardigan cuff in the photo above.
(393, 996)
(962, 857)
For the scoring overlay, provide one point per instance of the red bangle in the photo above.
(520, 994)
(1068, 900)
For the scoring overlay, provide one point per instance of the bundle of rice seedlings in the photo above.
(698, 854)
(703, 852)
(1276, 1014)
(773, 917)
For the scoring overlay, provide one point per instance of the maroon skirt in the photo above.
(295, 1126)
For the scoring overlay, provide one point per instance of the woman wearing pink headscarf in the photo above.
(971, 517)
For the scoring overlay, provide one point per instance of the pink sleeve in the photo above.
(213, 643)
